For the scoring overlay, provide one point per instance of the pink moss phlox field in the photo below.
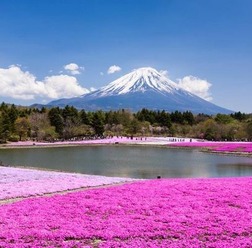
(151, 213)
(219, 146)
(18, 182)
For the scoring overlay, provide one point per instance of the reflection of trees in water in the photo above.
(168, 172)
(234, 169)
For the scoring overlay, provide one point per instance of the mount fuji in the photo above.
(142, 88)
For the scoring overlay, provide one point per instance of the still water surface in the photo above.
(127, 161)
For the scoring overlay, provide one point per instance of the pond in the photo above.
(130, 161)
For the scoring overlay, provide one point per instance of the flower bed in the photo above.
(18, 182)
(218, 146)
(152, 213)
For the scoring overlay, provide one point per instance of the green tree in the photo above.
(3, 107)
(70, 114)
(84, 117)
(239, 116)
(249, 130)
(164, 119)
(134, 127)
(22, 127)
(223, 119)
(188, 118)
(201, 118)
(177, 117)
(13, 115)
(6, 126)
(56, 119)
(98, 123)
(210, 130)
(41, 128)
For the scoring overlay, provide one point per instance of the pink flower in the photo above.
(150, 213)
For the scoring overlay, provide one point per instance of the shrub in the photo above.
(14, 138)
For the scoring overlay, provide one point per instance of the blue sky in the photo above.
(55, 48)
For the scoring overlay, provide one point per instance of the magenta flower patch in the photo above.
(151, 213)
(218, 146)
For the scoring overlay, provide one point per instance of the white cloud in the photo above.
(73, 68)
(92, 89)
(164, 73)
(63, 86)
(197, 86)
(18, 84)
(114, 68)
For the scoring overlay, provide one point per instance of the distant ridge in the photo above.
(142, 88)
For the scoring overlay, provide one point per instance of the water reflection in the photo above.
(233, 169)
(136, 162)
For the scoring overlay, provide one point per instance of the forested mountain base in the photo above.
(23, 123)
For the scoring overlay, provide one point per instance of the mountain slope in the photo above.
(142, 88)
(140, 80)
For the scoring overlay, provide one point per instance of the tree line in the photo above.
(68, 123)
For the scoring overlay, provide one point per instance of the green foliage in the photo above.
(201, 118)
(161, 118)
(188, 118)
(84, 117)
(71, 114)
(13, 114)
(239, 116)
(68, 123)
(177, 117)
(56, 119)
(14, 138)
(134, 127)
(98, 123)
(249, 130)
(22, 127)
(223, 119)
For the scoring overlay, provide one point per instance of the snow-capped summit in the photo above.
(142, 88)
(139, 80)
